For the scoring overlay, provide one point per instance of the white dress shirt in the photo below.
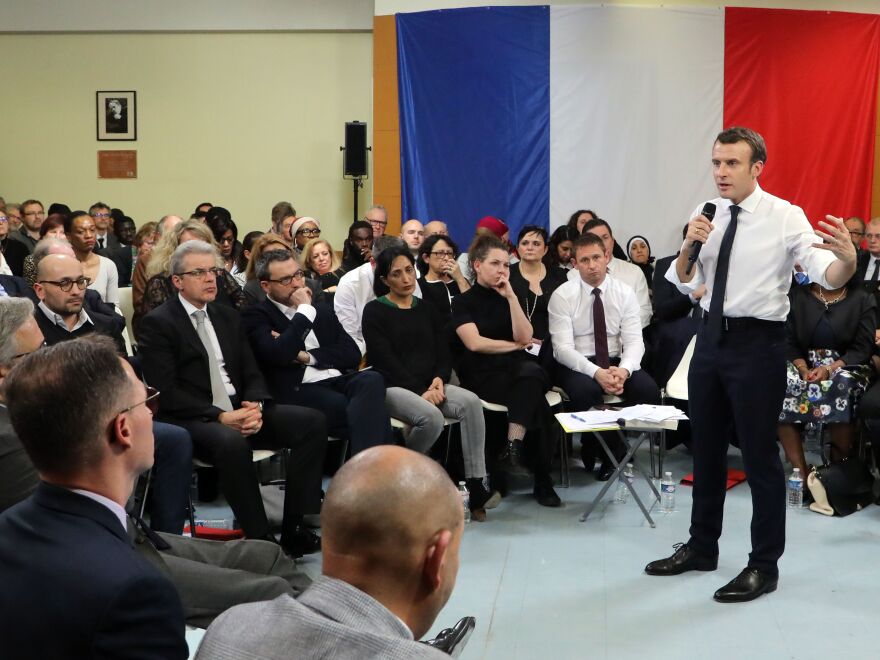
(312, 374)
(771, 235)
(872, 261)
(212, 336)
(631, 275)
(115, 508)
(56, 319)
(571, 324)
(354, 291)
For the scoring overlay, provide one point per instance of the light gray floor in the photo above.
(545, 586)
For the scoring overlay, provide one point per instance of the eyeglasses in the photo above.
(872, 236)
(227, 239)
(377, 223)
(309, 232)
(202, 273)
(285, 281)
(443, 253)
(66, 284)
(151, 402)
(34, 213)
(100, 215)
(856, 233)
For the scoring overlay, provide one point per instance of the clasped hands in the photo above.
(612, 379)
(247, 420)
(435, 393)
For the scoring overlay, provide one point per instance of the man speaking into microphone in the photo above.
(737, 374)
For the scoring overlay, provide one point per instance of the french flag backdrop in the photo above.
(530, 113)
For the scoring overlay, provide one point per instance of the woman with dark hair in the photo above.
(241, 261)
(79, 228)
(494, 330)
(406, 344)
(357, 248)
(638, 251)
(579, 218)
(443, 279)
(830, 336)
(559, 254)
(225, 233)
(533, 282)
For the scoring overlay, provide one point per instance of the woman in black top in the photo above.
(321, 264)
(494, 330)
(830, 336)
(358, 247)
(533, 281)
(638, 251)
(559, 253)
(442, 277)
(405, 343)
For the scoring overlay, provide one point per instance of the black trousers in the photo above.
(739, 383)
(869, 412)
(302, 430)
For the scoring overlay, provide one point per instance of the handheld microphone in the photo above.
(696, 246)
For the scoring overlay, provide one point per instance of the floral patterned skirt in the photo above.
(831, 401)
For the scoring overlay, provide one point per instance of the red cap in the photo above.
(496, 225)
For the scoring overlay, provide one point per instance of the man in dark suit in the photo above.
(105, 240)
(196, 353)
(125, 231)
(69, 540)
(309, 359)
(13, 251)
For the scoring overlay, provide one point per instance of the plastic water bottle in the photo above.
(465, 500)
(667, 493)
(622, 496)
(795, 490)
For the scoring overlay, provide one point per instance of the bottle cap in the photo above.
(667, 474)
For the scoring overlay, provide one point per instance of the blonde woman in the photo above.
(322, 264)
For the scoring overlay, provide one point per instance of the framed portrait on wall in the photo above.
(116, 114)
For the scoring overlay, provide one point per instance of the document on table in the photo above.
(644, 416)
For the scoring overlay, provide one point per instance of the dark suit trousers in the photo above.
(172, 474)
(302, 430)
(354, 405)
(739, 383)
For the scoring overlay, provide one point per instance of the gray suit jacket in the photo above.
(331, 619)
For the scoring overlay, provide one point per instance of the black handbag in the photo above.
(849, 485)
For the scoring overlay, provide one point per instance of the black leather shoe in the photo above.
(301, 542)
(684, 559)
(605, 472)
(544, 493)
(746, 586)
(511, 460)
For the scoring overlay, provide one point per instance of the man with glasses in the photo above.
(13, 252)
(377, 216)
(32, 216)
(13, 212)
(868, 264)
(106, 242)
(309, 359)
(196, 353)
(856, 228)
(73, 584)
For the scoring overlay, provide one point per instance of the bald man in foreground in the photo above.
(392, 526)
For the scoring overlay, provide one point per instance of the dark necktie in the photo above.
(101, 243)
(719, 286)
(599, 331)
(876, 270)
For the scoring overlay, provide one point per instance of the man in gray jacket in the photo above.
(392, 526)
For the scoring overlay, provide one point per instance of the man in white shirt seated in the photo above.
(623, 271)
(597, 336)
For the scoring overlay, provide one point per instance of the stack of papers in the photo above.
(637, 417)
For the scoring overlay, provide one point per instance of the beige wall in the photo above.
(243, 120)
(383, 7)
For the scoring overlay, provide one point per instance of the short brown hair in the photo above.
(752, 138)
(585, 239)
(280, 211)
(61, 400)
(481, 245)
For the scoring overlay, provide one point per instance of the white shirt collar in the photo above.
(287, 311)
(751, 202)
(115, 508)
(603, 287)
(56, 319)
(189, 307)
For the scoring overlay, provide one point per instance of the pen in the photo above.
(580, 419)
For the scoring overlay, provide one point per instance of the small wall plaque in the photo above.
(117, 164)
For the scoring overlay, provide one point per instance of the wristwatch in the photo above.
(260, 405)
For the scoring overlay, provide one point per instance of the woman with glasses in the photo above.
(406, 344)
(225, 233)
(159, 286)
(81, 233)
(301, 232)
(321, 263)
(443, 279)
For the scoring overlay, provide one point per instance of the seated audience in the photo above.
(13, 252)
(559, 252)
(204, 207)
(239, 272)
(13, 212)
(209, 576)
(357, 248)
(868, 262)
(620, 269)
(830, 336)
(487, 226)
(68, 539)
(435, 228)
(225, 233)
(125, 231)
(856, 228)
(406, 343)
(578, 219)
(322, 265)
(533, 282)
(597, 339)
(301, 232)
(32, 216)
(144, 241)
(392, 526)
(266, 243)
(443, 279)
(494, 365)
(377, 216)
(79, 229)
(102, 219)
(308, 358)
(52, 227)
(160, 283)
(413, 234)
(638, 251)
(139, 276)
(283, 216)
(355, 290)
(195, 352)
